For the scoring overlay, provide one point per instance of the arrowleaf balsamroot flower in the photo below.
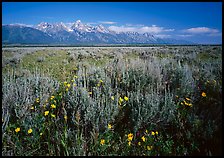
(143, 138)
(109, 126)
(37, 100)
(102, 141)
(30, 131)
(130, 137)
(17, 130)
(149, 147)
(126, 98)
(52, 115)
(153, 133)
(53, 106)
(46, 113)
(203, 94)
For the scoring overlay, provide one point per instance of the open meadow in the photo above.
(141, 101)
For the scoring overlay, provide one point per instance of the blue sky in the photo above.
(200, 22)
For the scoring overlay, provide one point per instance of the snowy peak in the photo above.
(48, 27)
(44, 25)
(102, 29)
(78, 25)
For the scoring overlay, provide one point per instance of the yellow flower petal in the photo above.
(109, 126)
(130, 137)
(102, 141)
(46, 113)
(203, 94)
(30, 131)
(126, 98)
(53, 106)
(17, 130)
(143, 139)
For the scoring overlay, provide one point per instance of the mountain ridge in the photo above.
(76, 33)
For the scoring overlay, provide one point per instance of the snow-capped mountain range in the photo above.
(75, 33)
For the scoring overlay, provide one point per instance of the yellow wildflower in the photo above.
(46, 113)
(153, 133)
(17, 130)
(146, 131)
(90, 93)
(65, 83)
(188, 99)
(53, 106)
(112, 97)
(130, 137)
(30, 131)
(129, 143)
(74, 84)
(121, 100)
(157, 133)
(139, 143)
(143, 138)
(41, 134)
(75, 76)
(68, 85)
(190, 105)
(37, 100)
(182, 103)
(72, 80)
(203, 94)
(65, 117)
(101, 81)
(149, 147)
(32, 108)
(102, 141)
(52, 115)
(109, 126)
(98, 84)
(52, 97)
(126, 98)
(66, 89)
